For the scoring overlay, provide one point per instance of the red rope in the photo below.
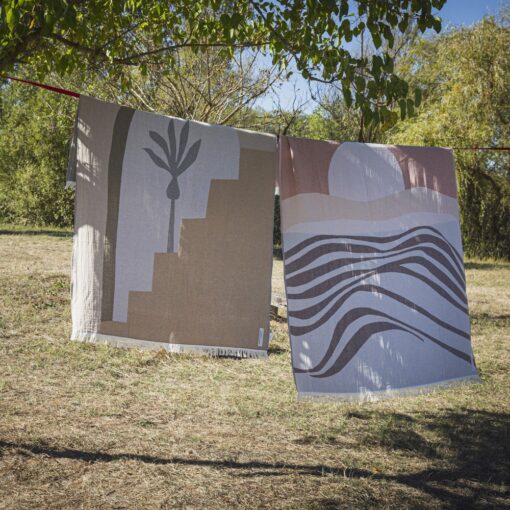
(42, 86)
(481, 148)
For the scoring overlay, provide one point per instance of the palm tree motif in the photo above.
(176, 164)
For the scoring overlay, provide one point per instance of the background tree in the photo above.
(207, 87)
(35, 129)
(334, 120)
(465, 77)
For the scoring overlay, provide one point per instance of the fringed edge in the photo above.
(374, 396)
(208, 350)
(235, 352)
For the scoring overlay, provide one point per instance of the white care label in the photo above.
(261, 337)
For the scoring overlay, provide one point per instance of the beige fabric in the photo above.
(93, 142)
(309, 207)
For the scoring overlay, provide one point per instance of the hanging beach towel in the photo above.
(173, 232)
(373, 269)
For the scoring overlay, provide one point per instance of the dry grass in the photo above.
(85, 426)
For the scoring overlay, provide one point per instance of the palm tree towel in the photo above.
(173, 232)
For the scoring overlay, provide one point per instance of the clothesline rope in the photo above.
(76, 95)
(43, 86)
(481, 148)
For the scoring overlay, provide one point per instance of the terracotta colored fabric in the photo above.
(173, 234)
(373, 269)
(427, 167)
(294, 153)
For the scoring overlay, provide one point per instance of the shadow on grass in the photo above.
(487, 265)
(268, 468)
(276, 317)
(473, 448)
(274, 350)
(42, 232)
(484, 316)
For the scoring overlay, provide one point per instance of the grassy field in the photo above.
(84, 426)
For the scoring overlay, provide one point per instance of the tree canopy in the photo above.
(313, 35)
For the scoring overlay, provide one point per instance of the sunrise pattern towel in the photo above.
(173, 232)
(373, 269)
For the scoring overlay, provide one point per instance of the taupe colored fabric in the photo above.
(182, 217)
(93, 138)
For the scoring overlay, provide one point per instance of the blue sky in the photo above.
(466, 12)
(454, 12)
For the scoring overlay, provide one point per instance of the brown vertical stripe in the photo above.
(118, 149)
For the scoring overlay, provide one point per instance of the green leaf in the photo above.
(367, 115)
(417, 97)
(410, 107)
(359, 81)
(403, 108)
(404, 23)
(436, 24)
(376, 66)
(384, 113)
(388, 35)
(236, 19)
(347, 97)
(344, 8)
(10, 18)
(63, 64)
(376, 38)
(70, 17)
(225, 21)
(388, 63)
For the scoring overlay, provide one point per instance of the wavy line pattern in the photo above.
(326, 274)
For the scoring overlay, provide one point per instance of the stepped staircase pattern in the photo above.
(216, 289)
